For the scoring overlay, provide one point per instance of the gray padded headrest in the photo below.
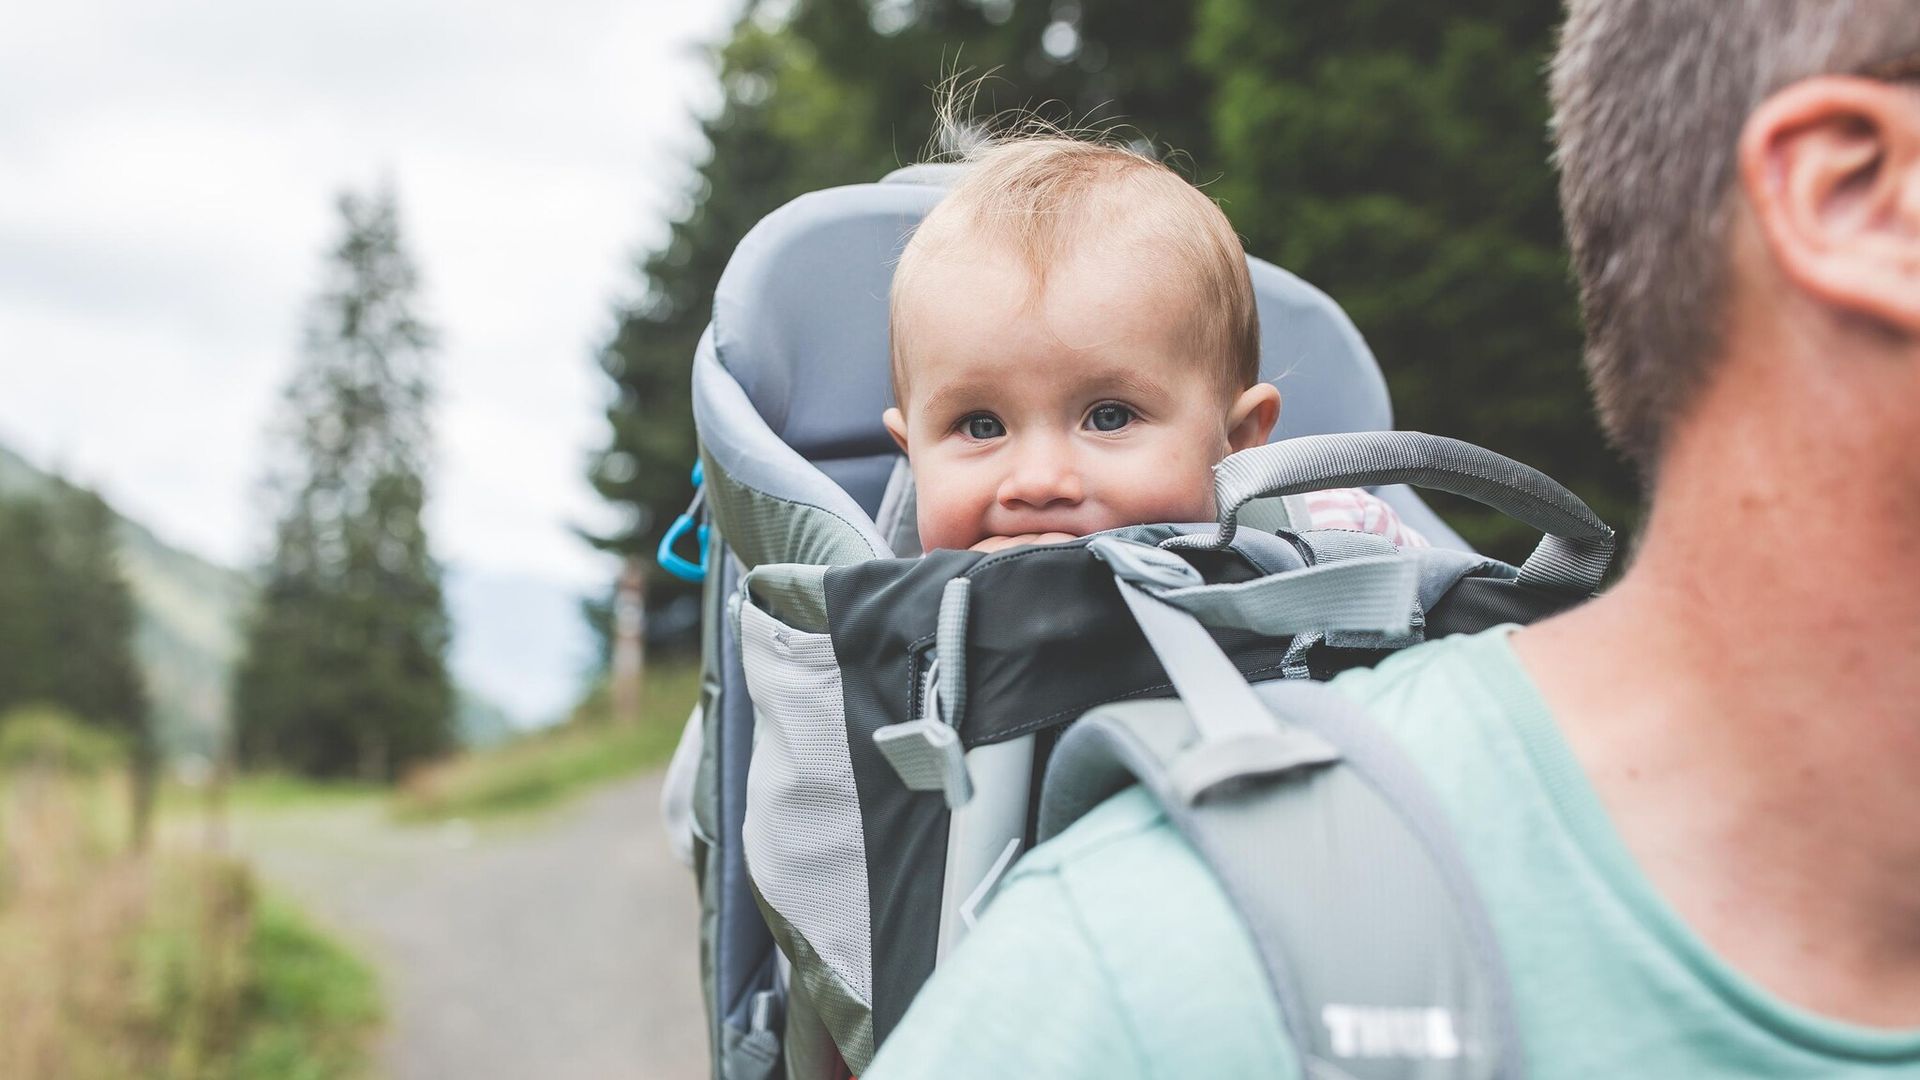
(800, 320)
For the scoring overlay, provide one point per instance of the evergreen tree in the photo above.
(1396, 156)
(344, 671)
(67, 624)
(827, 92)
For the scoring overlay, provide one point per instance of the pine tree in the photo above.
(344, 672)
(67, 625)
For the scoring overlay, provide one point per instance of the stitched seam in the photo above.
(1109, 982)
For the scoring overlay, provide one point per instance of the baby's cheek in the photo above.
(949, 518)
(1172, 488)
(946, 531)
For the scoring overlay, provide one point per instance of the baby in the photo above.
(1075, 345)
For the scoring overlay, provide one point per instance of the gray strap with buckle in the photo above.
(926, 751)
(1326, 842)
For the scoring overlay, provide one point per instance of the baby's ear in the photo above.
(896, 427)
(1252, 417)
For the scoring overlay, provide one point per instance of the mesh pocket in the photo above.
(805, 848)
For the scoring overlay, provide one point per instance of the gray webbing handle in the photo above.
(1572, 557)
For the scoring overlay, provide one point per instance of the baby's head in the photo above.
(1075, 345)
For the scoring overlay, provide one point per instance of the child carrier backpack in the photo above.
(881, 734)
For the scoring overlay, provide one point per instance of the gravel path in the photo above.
(557, 948)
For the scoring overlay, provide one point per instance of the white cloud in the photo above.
(167, 201)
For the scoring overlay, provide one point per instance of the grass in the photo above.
(310, 1001)
(266, 792)
(537, 771)
(167, 965)
(544, 768)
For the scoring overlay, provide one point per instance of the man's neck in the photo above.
(1747, 704)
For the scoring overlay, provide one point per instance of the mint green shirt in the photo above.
(1111, 952)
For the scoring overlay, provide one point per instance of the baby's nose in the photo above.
(1041, 480)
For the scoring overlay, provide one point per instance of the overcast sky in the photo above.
(167, 174)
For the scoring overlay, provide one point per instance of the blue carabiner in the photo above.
(669, 560)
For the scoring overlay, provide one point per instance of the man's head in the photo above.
(1722, 158)
(1074, 343)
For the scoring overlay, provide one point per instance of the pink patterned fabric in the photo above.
(1360, 511)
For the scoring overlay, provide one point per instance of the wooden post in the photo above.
(629, 641)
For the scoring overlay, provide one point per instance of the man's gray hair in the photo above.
(1649, 99)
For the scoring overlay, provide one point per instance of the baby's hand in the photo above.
(1001, 543)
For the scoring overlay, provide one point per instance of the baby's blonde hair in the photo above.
(1041, 194)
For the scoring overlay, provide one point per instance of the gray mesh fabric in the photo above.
(950, 639)
(804, 843)
(769, 501)
(837, 1007)
(763, 529)
(794, 593)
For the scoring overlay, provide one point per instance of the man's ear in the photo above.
(1831, 167)
(896, 426)
(1253, 415)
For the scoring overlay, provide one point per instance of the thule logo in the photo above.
(1378, 1031)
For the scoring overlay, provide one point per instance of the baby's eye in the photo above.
(983, 426)
(1110, 417)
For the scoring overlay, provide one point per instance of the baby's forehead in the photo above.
(983, 269)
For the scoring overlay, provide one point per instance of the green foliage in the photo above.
(243, 987)
(309, 1005)
(67, 626)
(544, 768)
(1394, 155)
(66, 617)
(187, 616)
(344, 671)
(48, 738)
(1397, 157)
(169, 965)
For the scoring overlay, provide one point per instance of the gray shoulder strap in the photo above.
(1340, 862)
(1374, 940)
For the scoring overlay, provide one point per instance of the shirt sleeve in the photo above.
(1361, 511)
(1023, 996)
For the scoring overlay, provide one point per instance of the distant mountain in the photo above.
(191, 614)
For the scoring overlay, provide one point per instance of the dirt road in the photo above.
(557, 948)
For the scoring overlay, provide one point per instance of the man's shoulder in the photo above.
(1437, 676)
(1154, 930)
(1429, 692)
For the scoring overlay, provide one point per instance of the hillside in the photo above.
(190, 618)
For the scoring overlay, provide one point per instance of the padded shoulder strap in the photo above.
(1339, 860)
(1372, 935)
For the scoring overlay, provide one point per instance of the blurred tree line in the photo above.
(344, 670)
(67, 627)
(1394, 155)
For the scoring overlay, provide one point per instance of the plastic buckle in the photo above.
(928, 756)
(1144, 564)
(669, 560)
(926, 753)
